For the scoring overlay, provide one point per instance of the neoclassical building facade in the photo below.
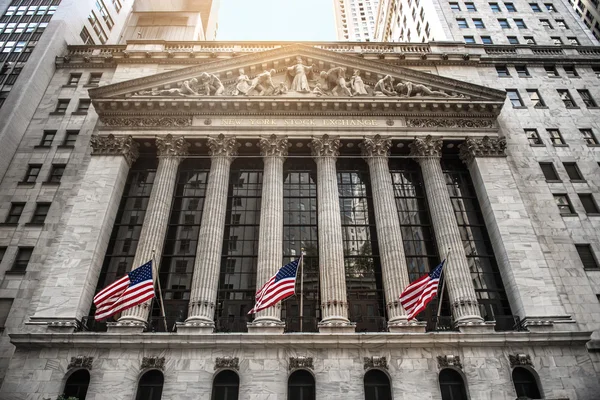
(223, 162)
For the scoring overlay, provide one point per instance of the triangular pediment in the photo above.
(298, 74)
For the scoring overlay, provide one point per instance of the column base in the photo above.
(266, 326)
(404, 326)
(126, 327)
(476, 326)
(337, 326)
(195, 327)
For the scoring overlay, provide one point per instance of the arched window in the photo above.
(150, 386)
(226, 386)
(77, 384)
(377, 386)
(301, 386)
(525, 383)
(452, 385)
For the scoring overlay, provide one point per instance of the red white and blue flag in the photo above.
(281, 286)
(418, 294)
(134, 288)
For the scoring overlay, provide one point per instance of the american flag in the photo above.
(134, 288)
(415, 297)
(282, 285)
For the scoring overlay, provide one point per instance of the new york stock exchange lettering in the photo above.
(300, 122)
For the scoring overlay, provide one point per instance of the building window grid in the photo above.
(586, 254)
(549, 172)
(33, 171)
(565, 96)
(589, 137)
(589, 203)
(515, 98)
(22, 260)
(40, 213)
(47, 138)
(70, 138)
(533, 137)
(14, 214)
(587, 98)
(573, 171)
(56, 173)
(536, 98)
(564, 204)
(555, 137)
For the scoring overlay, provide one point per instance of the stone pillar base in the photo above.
(126, 327)
(476, 327)
(337, 327)
(266, 327)
(407, 327)
(195, 327)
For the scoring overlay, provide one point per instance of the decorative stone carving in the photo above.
(375, 362)
(301, 363)
(426, 147)
(171, 146)
(409, 89)
(484, 147)
(385, 87)
(273, 146)
(357, 85)
(376, 146)
(112, 145)
(228, 363)
(223, 146)
(449, 123)
(262, 83)
(242, 83)
(297, 76)
(81, 362)
(519, 360)
(166, 122)
(210, 84)
(325, 146)
(336, 81)
(153, 362)
(449, 361)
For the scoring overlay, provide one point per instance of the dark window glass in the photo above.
(5, 306)
(452, 385)
(61, 106)
(469, 39)
(529, 39)
(513, 40)
(520, 24)
(589, 136)
(40, 213)
(564, 204)
(588, 202)
(476, 242)
(73, 79)
(470, 7)
(514, 97)
(2, 253)
(549, 171)
(377, 386)
(361, 251)
(150, 386)
(551, 71)
(70, 138)
(235, 295)
(587, 98)
(16, 209)
(510, 7)
(300, 231)
(462, 23)
(226, 386)
(56, 173)
(454, 7)
(486, 40)
(47, 138)
(83, 106)
(33, 171)
(525, 384)
(22, 260)
(95, 78)
(522, 71)
(77, 384)
(504, 23)
(535, 7)
(495, 7)
(478, 22)
(573, 171)
(586, 255)
(301, 386)
(571, 71)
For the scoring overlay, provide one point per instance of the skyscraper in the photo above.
(355, 19)
(588, 11)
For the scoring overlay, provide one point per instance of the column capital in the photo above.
(482, 147)
(376, 146)
(428, 146)
(273, 146)
(172, 146)
(223, 146)
(112, 145)
(325, 146)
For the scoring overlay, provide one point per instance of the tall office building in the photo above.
(223, 161)
(588, 11)
(355, 19)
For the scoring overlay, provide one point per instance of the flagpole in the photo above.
(441, 295)
(162, 305)
(301, 288)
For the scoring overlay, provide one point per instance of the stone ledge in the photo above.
(296, 340)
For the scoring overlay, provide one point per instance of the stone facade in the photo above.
(546, 284)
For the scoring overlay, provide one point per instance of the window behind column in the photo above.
(127, 228)
(179, 252)
(237, 280)
(300, 231)
(366, 302)
(489, 288)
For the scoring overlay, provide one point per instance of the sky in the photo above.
(278, 20)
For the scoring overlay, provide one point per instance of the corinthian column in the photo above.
(375, 150)
(428, 151)
(156, 220)
(201, 312)
(270, 238)
(334, 302)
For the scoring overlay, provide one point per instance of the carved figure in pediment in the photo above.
(262, 83)
(297, 76)
(242, 83)
(210, 85)
(281, 89)
(318, 90)
(336, 81)
(357, 85)
(408, 89)
(385, 87)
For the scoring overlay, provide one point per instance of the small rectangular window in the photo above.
(529, 39)
(478, 22)
(535, 7)
(589, 137)
(589, 204)
(587, 256)
(495, 7)
(571, 71)
(83, 106)
(14, 214)
(565, 96)
(514, 97)
(470, 7)
(33, 171)
(5, 306)
(22, 260)
(95, 78)
(469, 39)
(556, 40)
(573, 41)
(233, 243)
(486, 40)
(504, 23)
(549, 172)
(555, 137)
(61, 106)
(573, 171)
(454, 6)
(513, 40)
(564, 204)
(550, 7)
(74, 79)
(546, 24)
(596, 71)
(520, 23)
(522, 71)
(40, 213)
(587, 98)
(2, 253)
(551, 71)
(70, 138)
(536, 99)
(533, 137)
(236, 219)
(47, 138)
(462, 23)
(502, 70)
(510, 7)
(56, 173)
(561, 24)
